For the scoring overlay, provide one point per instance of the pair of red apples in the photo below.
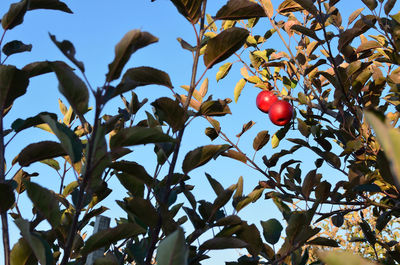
(280, 111)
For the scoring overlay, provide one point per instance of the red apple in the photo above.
(265, 99)
(281, 112)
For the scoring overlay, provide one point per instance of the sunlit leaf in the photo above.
(238, 89)
(21, 253)
(289, 6)
(223, 71)
(389, 138)
(341, 257)
(269, 9)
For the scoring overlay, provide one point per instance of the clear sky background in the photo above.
(95, 28)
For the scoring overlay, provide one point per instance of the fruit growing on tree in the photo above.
(281, 112)
(265, 99)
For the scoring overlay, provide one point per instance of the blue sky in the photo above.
(94, 28)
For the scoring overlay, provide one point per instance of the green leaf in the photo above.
(371, 4)
(272, 230)
(389, 138)
(261, 140)
(201, 156)
(190, 9)
(185, 45)
(309, 6)
(214, 108)
(194, 218)
(39, 151)
(223, 243)
(309, 182)
(217, 187)
(134, 170)
(341, 257)
(173, 249)
(38, 245)
(130, 43)
(211, 133)
(251, 197)
(239, 188)
(72, 87)
(13, 84)
(16, 46)
(20, 124)
(142, 76)
(238, 89)
(171, 112)
(67, 137)
(224, 45)
(138, 135)
(45, 201)
(15, 15)
(389, 6)
(361, 26)
(37, 68)
(143, 210)
(278, 136)
(240, 9)
(68, 49)
(21, 254)
(235, 155)
(51, 163)
(111, 235)
(7, 197)
(306, 31)
(251, 235)
(323, 241)
(223, 71)
(49, 4)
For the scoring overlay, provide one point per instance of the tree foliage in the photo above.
(340, 74)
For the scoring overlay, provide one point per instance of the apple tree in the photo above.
(340, 85)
